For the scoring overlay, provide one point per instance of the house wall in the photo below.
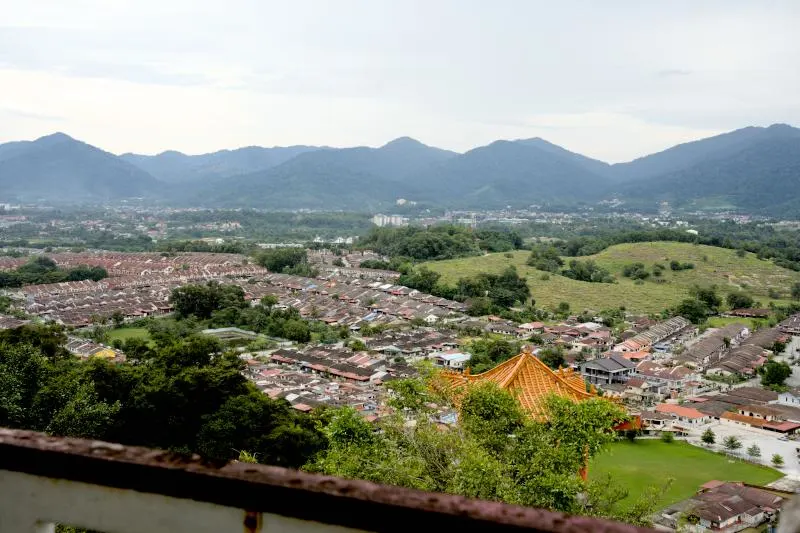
(787, 398)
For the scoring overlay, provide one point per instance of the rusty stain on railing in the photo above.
(252, 522)
(268, 489)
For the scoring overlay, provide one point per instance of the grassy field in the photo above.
(718, 266)
(128, 333)
(647, 463)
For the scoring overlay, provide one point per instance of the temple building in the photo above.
(530, 381)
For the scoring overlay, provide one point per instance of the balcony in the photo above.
(123, 489)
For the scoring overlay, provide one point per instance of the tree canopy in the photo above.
(494, 452)
(187, 396)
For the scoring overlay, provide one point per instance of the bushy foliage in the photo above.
(635, 271)
(739, 300)
(185, 395)
(587, 271)
(286, 261)
(774, 373)
(44, 270)
(545, 257)
(494, 452)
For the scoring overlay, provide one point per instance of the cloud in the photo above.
(670, 72)
(32, 115)
(615, 79)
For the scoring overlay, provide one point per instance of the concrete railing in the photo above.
(123, 489)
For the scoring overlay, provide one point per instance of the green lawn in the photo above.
(646, 463)
(718, 266)
(129, 333)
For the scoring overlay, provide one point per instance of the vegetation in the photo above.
(486, 292)
(44, 270)
(644, 463)
(667, 437)
(545, 257)
(708, 437)
(488, 353)
(442, 241)
(723, 269)
(201, 301)
(774, 373)
(286, 261)
(587, 271)
(754, 451)
(186, 395)
(494, 453)
(777, 460)
(731, 443)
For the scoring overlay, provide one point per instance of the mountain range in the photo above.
(754, 169)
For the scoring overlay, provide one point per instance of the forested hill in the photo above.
(59, 168)
(754, 169)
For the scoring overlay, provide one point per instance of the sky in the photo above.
(610, 79)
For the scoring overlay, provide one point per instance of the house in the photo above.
(791, 325)
(654, 334)
(532, 328)
(713, 347)
(743, 360)
(683, 415)
(451, 359)
(720, 505)
(607, 370)
(758, 421)
(750, 313)
(638, 390)
(789, 397)
(655, 421)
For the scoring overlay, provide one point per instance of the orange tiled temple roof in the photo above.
(530, 380)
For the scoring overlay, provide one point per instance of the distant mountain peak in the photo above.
(781, 128)
(402, 141)
(55, 137)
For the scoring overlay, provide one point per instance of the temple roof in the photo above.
(530, 380)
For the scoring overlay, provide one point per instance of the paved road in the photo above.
(768, 444)
(793, 348)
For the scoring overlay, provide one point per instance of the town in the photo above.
(671, 378)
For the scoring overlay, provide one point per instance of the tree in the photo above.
(667, 436)
(202, 300)
(117, 318)
(708, 437)
(774, 373)
(494, 452)
(754, 451)
(297, 330)
(552, 356)
(739, 300)
(693, 310)
(777, 460)
(281, 259)
(796, 291)
(708, 296)
(269, 301)
(544, 257)
(423, 279)
(732, 443)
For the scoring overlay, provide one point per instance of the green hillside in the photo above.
(718, 266)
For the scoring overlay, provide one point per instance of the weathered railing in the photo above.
(123, 489)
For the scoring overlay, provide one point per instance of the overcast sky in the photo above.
(614, 80)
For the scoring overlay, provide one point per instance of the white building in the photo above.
(451, 360)
(389, 220)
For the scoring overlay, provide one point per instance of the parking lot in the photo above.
(768, 443)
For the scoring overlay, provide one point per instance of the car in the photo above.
(783, 437)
